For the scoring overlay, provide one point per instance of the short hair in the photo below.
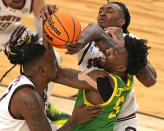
(126, 15)
(137, 54)
(24, 53)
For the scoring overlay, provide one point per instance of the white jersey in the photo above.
(7, 121)
(90, 61)
(9, 17)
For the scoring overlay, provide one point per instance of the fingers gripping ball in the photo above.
(62, 29)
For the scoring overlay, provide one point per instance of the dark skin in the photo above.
(116, 67)
(72, 80)
(28, 103)
(14, 4)
(111, 15)
(115, 61)
(93, 96)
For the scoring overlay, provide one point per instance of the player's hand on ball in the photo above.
(74, 47)
(47, 11)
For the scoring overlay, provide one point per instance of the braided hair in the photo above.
(126, 15)
(24, 52)
(137, 54)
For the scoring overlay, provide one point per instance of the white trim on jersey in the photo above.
(9, 18)
(8, 122)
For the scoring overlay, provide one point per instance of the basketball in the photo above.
(61, 29)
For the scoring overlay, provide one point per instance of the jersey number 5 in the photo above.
(116, 108)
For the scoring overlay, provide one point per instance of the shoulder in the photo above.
(27, 93)
(98, 73)
(26, 98)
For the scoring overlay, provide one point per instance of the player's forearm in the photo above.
(69, 77)
(147, 75)
(69, 125)
(38, 26)
(94, 32)
(37, 6)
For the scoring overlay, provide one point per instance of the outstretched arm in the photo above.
(69, 77)
(147, 75)
(91, 33)
(39, 6)
(36, 8)
(94, 32)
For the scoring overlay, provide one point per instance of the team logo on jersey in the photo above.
(91, 48)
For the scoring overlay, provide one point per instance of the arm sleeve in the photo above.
(105, 88)
(38, 26)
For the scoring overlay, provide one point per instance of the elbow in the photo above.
(150, 83)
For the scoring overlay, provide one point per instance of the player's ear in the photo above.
(121, 22)
(121, 68)
(42, 70)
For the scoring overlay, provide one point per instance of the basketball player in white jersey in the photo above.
(22, 107)
(11, 12)
(113, 14)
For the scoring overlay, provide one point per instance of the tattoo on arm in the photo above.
(69, 77)
(94, 33)
(147, 75)
(35, 115)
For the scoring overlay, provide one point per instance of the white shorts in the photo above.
(127, 125)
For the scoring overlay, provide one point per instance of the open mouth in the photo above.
(101, 20)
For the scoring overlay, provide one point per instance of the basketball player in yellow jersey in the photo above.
(11, 13)
(112, 15)
(113, 83)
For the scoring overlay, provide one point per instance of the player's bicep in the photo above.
(32, 110)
